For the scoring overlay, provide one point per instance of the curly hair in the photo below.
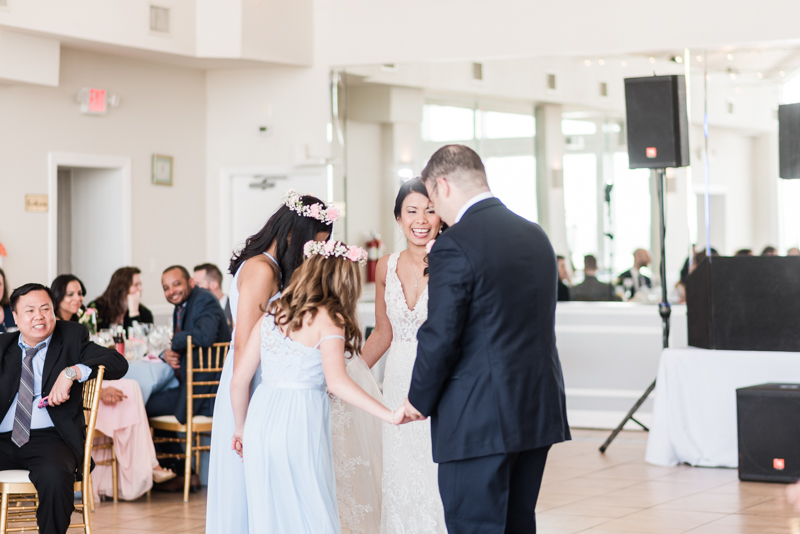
(113, 302)
(333, 283)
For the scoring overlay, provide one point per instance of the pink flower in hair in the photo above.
(314, 210)
(333, 214)
(329, 246)
(429, 246)
(354, 253)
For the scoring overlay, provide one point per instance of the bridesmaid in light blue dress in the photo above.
(284, 435)
(268, 258)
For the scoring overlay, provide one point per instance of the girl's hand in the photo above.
(237, 444)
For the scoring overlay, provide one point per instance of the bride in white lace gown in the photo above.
(410, 501)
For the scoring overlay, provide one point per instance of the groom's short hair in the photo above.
(460, 164)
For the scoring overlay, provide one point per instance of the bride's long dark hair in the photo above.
(290, 231)
(415, 185)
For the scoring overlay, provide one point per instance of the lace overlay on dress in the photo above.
(411, 500)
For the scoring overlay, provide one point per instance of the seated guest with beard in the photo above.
(632, 279)
(592, 289)
(197, 314)
(120, 302)
(47, 359)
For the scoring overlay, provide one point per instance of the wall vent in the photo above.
(388, 67)
(730, 107)
(477, 72)
(551, 82)
(159, 19)
(603, 89)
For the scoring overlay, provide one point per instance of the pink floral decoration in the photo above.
(314, 209)
(333, 214)
(429, 246)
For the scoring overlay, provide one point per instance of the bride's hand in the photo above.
(237, 444)
(399, 416)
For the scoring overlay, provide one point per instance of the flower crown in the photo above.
(333, 248)
(293, 200)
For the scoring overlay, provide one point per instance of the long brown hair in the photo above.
(4, 295)
(332, 282)
(113, 302)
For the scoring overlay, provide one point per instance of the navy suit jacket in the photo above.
(205, 321)
(70, 345)
(487, 370)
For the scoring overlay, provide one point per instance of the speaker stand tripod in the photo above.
(664, 311)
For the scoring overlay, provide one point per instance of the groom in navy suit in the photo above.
(487, 370)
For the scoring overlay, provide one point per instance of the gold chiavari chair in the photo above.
(211, 360)
(18, 498)
(108, 444)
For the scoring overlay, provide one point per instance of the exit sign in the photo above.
(93, 101)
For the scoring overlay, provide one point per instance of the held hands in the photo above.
(406, 414)
(60, 392)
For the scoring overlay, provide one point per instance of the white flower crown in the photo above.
(333, 248)
(293, 200)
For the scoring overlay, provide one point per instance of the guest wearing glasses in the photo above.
(121, 303)
(48, 440)
(6, 317)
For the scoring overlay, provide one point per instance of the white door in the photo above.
(92, 230)
(252, 206)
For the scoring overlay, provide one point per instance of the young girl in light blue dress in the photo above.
(283, 433)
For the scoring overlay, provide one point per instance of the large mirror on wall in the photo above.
(552, 135)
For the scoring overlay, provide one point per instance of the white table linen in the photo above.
(694, 414)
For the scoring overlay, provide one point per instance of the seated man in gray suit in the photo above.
(591, 288)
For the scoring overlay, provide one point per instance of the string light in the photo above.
(759, 75)
(624, 63)
(699, 59)
(588, 62)
(730, 57)
(601, 62)
(782, 74)
(652, 59)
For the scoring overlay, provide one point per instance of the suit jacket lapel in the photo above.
(13, 363)
(52, 357)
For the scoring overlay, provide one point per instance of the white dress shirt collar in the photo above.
(471, 202)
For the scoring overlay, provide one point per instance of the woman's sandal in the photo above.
(162, 475)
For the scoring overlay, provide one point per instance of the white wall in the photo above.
(162, 111)
(453, 30)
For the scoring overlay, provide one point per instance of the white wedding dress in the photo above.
(411, 500)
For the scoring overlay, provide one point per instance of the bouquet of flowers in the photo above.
(88, 317)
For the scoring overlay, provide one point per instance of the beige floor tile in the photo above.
(723, 503)
(548, 523)
(591, 509)
(653, 521)
(739, 524)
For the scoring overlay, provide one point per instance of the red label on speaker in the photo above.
(778, 464)
(651, 152)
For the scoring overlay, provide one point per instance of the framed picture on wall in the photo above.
(162, 169)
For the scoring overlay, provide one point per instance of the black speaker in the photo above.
(658, 128)
(744, 303)
(769, 436)
(789, 140)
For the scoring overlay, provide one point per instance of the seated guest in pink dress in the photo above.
(121, 415)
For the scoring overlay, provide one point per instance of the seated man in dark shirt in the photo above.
(197, 314)
(592, 289)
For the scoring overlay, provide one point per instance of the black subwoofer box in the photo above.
(769, 433)
(745, 303)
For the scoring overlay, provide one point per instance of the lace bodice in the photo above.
(405, 322)
(284, 361)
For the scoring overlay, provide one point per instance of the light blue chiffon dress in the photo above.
(226, 508)
(288, 454)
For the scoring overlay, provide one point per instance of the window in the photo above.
(630, 205)
(512, 179)
(580, 204)
(447, 123)
(504, 141)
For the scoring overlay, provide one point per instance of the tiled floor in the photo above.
(583, 491)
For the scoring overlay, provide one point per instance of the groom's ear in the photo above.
(443, 186)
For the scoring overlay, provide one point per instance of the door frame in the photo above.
(86, 161)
